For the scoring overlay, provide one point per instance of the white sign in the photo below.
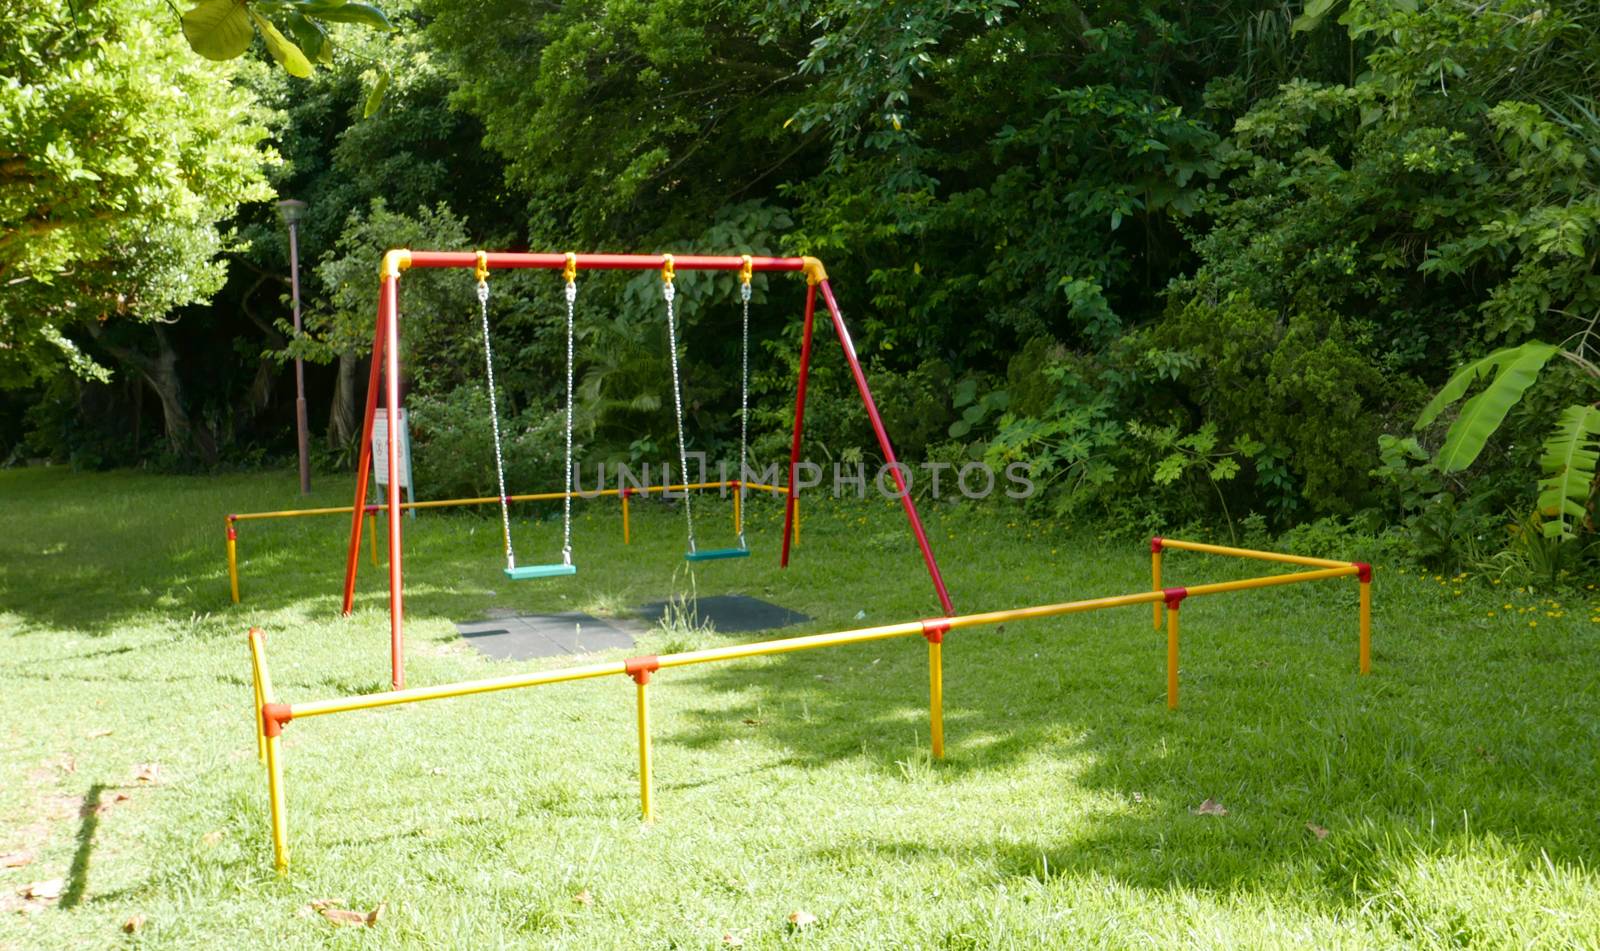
(380, 452)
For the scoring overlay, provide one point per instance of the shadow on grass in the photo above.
(78, 871)
(1418, 762)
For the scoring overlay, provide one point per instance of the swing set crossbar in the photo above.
(399, 260)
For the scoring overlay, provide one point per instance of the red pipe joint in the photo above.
(1363, 572)
(1174, 597)
(733, 483)
(628, 491)
(274, 716)
(640, 668)
(934, 629)
(233, 532)
(1155, 545)
(371, 509)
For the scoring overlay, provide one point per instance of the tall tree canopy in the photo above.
(122, 158)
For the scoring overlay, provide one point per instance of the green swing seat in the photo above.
(525, 572)
(712, 554)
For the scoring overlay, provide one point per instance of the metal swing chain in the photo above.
(494, 413)
(744, 388)
(566, 519)
(677, 393)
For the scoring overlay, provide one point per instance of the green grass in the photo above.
(1457, 784)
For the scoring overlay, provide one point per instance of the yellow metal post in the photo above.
(1366, 625)
(1155, 581)
(1172, 656)
(936, 696)
(261, 699)
(270, 740)
(372, 536)
(644, 747)
(280, 817)
(796, 521)
(738, 515)
(233, 564)
(625, 518)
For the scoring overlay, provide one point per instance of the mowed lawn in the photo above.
(1449, 799)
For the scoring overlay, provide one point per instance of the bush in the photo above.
(453, 448)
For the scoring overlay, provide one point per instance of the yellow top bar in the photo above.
(1253, 553)
(787, 645)
(390, 698)
(1222, 587)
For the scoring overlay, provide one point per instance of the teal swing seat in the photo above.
(527, 572)
(565, 565)
(712, 554)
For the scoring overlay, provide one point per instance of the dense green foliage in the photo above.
(122, 160)
(1189, 261)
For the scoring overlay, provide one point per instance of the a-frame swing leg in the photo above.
(385, 367)
(799, 422)
(374, 378)
(883, 444)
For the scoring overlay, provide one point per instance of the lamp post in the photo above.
(292, 211)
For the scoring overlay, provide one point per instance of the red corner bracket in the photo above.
(1174, 597)
(274, 716)
(640, 668)
(1363, 572)
(934, 629)
(1155, 545)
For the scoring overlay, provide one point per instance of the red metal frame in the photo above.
(799, 419)
(386, 366)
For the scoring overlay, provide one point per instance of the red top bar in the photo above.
(603, 262)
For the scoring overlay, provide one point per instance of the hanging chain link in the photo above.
(494, 419)
(566, 515)
(677, 402)
(744, 397)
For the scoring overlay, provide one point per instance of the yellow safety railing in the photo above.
(272, 716)
(232, 521)
(1363, 575)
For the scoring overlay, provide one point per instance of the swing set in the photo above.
(385, 374)
(273, 716)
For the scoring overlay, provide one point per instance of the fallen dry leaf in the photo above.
(732, 940)
(65, 762)
(750, 721)
(16, 859)
(97, 734)
(210, 839)
(47, 890)
(583, 898)
(1210, 808)
(103, 806)
(147, 772)
(133, 924)
(801, 919)
(329, 909)
(1317, 831)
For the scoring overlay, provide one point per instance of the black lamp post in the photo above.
(292, 211)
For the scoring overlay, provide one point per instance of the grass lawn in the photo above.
(1457, 785)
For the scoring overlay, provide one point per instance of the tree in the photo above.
(121, 155)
